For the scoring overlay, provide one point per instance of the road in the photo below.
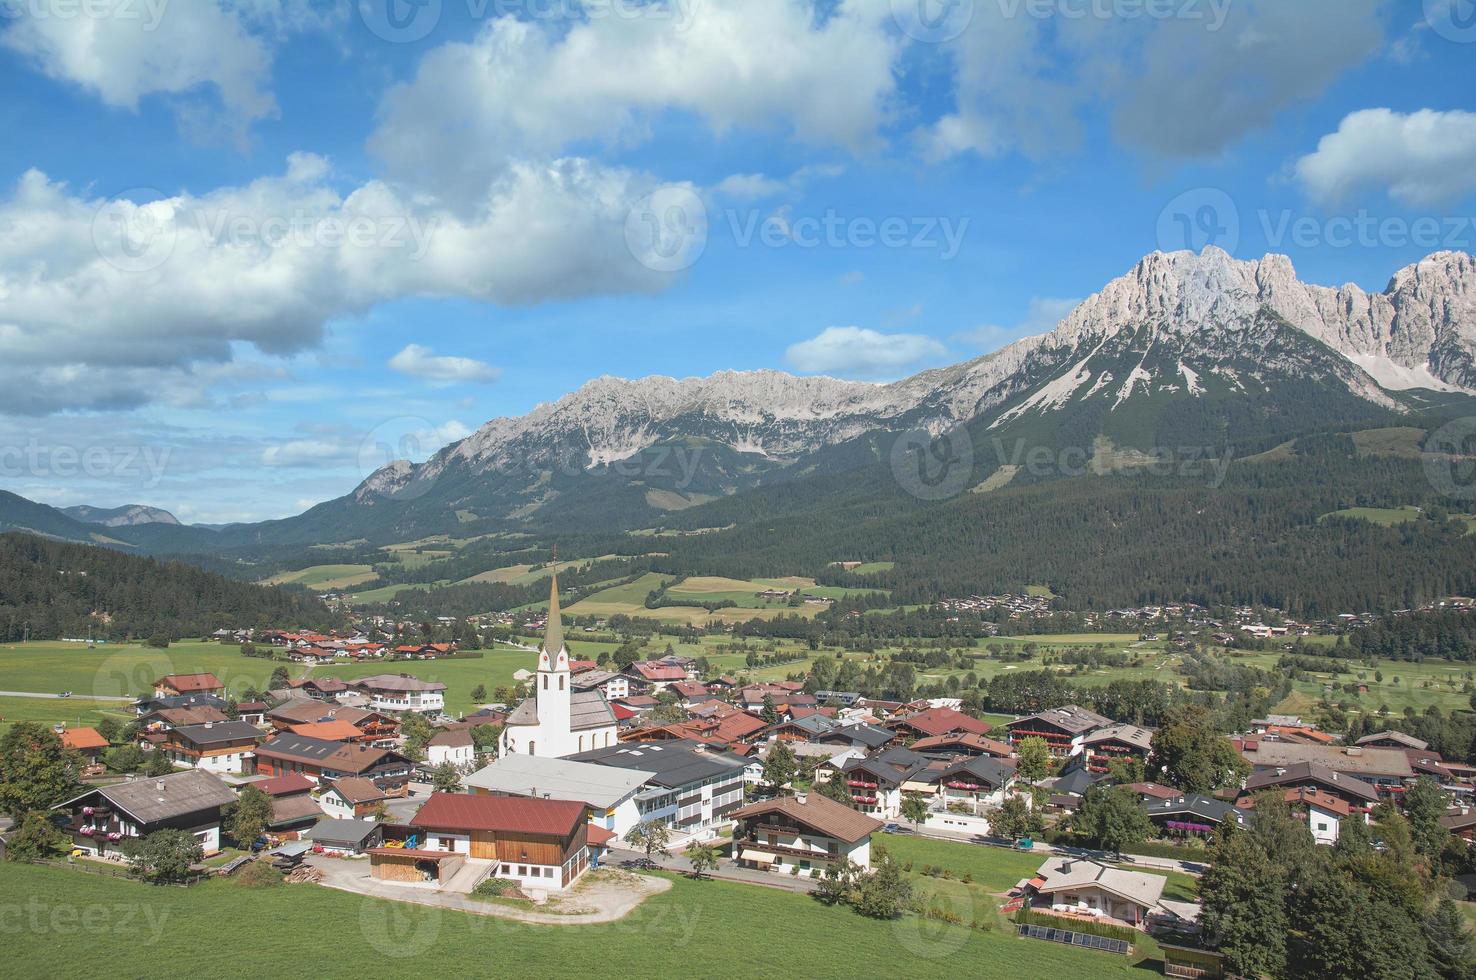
(58, 697)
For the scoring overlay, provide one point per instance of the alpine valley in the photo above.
(1198, 413)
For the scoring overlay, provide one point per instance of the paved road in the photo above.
(58, 697)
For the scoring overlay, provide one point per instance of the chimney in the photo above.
(800, 798)
(210, 724)
(159, 786)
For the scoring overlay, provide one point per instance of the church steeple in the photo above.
(553, 656)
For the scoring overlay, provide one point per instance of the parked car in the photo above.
(65, 694)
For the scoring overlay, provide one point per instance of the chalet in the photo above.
(1354, 792)
(963, 743)
(934, 722)
(692, 693)
(1104, 745)
(164, 719)
(1077, 888)
(320, 688)
(861, 736)
(1387, 770)
(1323, 812)
(400, 692)
(805, 729)
(1192, 815)
(148, 705)
(173, 685)
(1393, 740)
(453, 747)
(1461, 822)
(332, 730)
(376, 728)
(87, 743)
(878, 782)
(659, 676)
(1060, 727)
(806, 832)
(975, 785)
(693, 788)
(608, 683)
(540, 844)
(225, 746)
(607, 792)
(101, 819)
(251, 712)
(351, 798)
(293, 808)
(327, 761)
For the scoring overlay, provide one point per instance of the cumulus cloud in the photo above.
(125, 50)
(112, 304)
(422, 362)
(1041, 316)
(1181, 86)
(525, 90)
(1422, 159)
(863, 353)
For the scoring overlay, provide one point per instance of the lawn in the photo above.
(325, 577)
(1404, 684)
(72, 712)
(1387, 516)
(630, 600)
(65, 919)
(122, 670)
(494, 668)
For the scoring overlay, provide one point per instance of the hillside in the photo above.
(51, 589)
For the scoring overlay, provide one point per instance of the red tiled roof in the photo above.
(334, 730)
(184, 683)
(83, 738)
(942, 721)
(599, 836)
(459, 811)
(659, 672)
(293, 782)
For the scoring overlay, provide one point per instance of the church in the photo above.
(557, 720)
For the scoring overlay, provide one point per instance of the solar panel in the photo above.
(1069, 938)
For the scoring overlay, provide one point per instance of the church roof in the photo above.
(553, 634)
(589, 709)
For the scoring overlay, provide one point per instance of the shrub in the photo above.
(259, 875)
(497, 888)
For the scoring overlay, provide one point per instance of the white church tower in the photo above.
(558, 721)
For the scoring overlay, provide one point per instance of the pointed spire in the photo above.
(553, 635)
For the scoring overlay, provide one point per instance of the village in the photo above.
(568, 805)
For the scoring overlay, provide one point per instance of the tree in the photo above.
(668, 709)
(485, 737)
(35, 838)
(446, 778)
(1190, 754)
(780, 765)
(36, 770)
(159, 641)
(1424, 804)
(838, 884)
(417, 733)
(248, 817)
(1033, 759)
(110, 729)
(885, 893)
(157, 764)
(914, 809)
(1448, 942)
(125, 758)
(1014, 818)
(479, 693)
(1244, 912)
(163, 856)
(279, 679)
(1127, 770)
(769, 712)
(1111, 816)
(835, 788)
(703, 857)
(651, 837)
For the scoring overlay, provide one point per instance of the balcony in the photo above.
(869, 800)
(860, 784)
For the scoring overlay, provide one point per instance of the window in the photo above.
(523, 870)
(545, 682)
(561, 682)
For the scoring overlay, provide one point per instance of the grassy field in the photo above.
(1387, 516)
(630, 600)
(494, 668)
(66, 918)
(325, 577)
(72, 712)
(1403, 684)
(122, 670)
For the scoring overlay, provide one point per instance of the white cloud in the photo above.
(1422, 159)
(115, 304)
(422, 362)
(1041, 316)
(525, 90)
(1181, 86)
(750, 187)
(863, 353)
(300, 452)
(125, 50)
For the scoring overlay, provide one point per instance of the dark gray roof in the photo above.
(218, 732)
(672, 764)
(892, 766)
(354, 832)
(994, 772)
(152, 800)
(869, 736)
(1192, 804)
(303, 746)
(587, 709)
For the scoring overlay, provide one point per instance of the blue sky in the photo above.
(184, 322)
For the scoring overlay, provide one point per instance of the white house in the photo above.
(540, 844)
(398, 692)
(608, 792)
(805, 831)
(692, 789)
(558, 720)
(453, 747)
(102, 819)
